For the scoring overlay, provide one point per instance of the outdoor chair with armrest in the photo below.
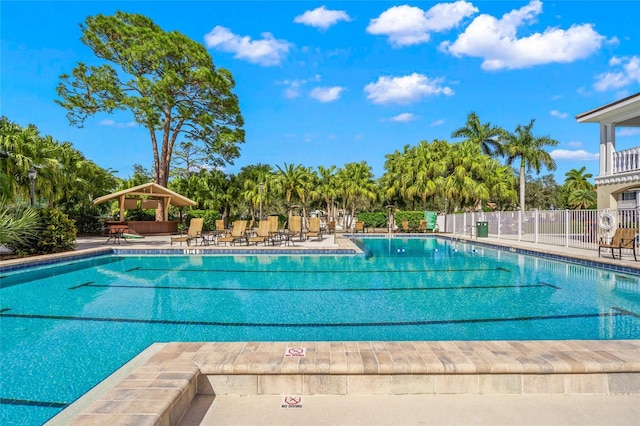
(295, 227)
(623, 238)
(263, 234)
(315, 230)
(193, 233)
(237, 233)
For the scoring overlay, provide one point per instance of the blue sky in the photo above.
(327, 83)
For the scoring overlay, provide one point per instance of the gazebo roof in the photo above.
(148, 190)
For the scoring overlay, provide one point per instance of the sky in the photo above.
(329, 83)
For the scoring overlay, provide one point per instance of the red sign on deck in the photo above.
(295, 352)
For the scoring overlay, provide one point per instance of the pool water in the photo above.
(67, 327)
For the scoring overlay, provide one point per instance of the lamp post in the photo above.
(32, 173)
(261, 185)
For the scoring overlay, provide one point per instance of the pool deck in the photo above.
(447, 382)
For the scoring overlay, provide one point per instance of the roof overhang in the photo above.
(624, 113)
(150, 191)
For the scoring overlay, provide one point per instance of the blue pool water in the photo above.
(65, 328)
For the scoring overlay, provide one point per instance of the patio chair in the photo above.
(315, 231)
(405, 226)
(359, 227)
(193, 233)
(623, 238)
(237, 233)
(263, 235)
(295, 226)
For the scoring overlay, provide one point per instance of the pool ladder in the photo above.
(460, 233)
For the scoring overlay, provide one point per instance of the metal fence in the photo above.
(568, 228)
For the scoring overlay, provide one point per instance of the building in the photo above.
(618, 184)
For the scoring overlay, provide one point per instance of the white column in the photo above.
(603, 150)
(611, 146)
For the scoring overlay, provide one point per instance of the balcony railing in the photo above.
(626, 161)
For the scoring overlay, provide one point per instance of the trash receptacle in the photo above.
(482, 229)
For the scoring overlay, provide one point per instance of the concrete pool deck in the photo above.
(449, 382)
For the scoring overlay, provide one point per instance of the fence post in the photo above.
(536, 226)
(520, 215)
(473, 221)
(499, 222)
(566, 228)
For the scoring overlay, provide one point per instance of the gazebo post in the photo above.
(121, 203)
(166, 202)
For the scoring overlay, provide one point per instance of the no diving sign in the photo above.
(295, 352)
(291, 402)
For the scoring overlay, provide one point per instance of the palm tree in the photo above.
(577, 179)
(295, 182)
(530, 150)
(582, 199)
(356, 184)
(483, 134)
(326, 187)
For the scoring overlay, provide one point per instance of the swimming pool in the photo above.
(65, 328)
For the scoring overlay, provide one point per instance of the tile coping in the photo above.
(159, 390)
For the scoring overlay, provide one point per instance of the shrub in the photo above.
(140, 215)
(209, 216)
(373, 219)
(57, 233)
(414, 218)
(86, 218)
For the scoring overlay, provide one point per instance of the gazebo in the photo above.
(147, 196)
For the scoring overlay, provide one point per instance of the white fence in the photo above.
(569, 228)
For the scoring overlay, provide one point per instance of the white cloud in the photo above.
(117, 125)
(579, 154)
(403, 118)
(558, 114)
(497, 43)
(626, 72)
(437, 123)
(266, 51)
(627, 131)
(326, 94)
(322, 18)
(408, 25)
(405, 90)
(293, 88)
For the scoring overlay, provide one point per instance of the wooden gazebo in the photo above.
(147, 196)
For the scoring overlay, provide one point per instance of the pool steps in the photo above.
(160, 390)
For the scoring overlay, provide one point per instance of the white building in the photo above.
(618, 185)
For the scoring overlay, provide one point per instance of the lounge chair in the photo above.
(315, 231)
(193, 233)
(623, 238)
(237, 233)
(405, 226)
(263, 235)
(273, 224)
(359, 227)
(295, 227)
